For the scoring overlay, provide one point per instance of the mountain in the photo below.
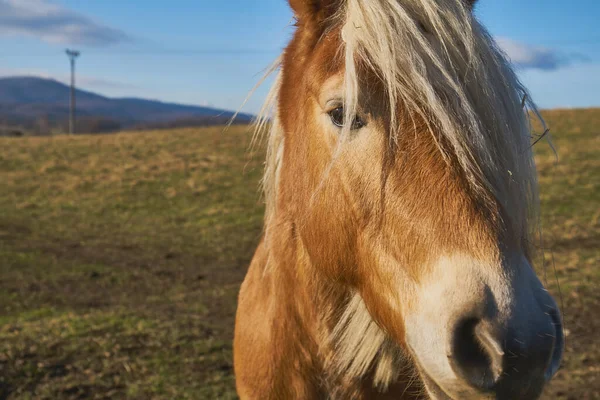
(26, 101)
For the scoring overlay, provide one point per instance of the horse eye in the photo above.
(337, 116)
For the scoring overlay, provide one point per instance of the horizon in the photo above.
(207, 55)
(97, 93)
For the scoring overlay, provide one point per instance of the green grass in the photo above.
(121, 257)
(120, 261)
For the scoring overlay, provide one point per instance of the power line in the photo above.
(191, 52)
(165, 52)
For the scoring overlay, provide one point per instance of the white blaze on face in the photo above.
(459, 288)
(452, 287)
(470, 327)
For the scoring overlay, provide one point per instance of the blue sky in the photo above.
(212, 52)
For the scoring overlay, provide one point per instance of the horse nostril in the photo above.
(476, 355)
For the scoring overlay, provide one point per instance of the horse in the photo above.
(401, 215)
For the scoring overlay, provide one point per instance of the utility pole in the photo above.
(72, 54)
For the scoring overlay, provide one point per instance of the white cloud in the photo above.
(54, 24)
(526, 56)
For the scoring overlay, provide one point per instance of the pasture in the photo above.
(121, 257)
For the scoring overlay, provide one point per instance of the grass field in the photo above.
(121, 258)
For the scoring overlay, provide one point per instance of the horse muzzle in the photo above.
(485, 334)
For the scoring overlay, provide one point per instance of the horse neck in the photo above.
(307, 309)
(306, 301)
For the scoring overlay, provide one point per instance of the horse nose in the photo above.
(507, 361)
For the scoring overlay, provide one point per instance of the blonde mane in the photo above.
(437, 61)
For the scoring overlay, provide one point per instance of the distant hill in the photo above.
(39, 103)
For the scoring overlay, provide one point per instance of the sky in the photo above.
(212, 53)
